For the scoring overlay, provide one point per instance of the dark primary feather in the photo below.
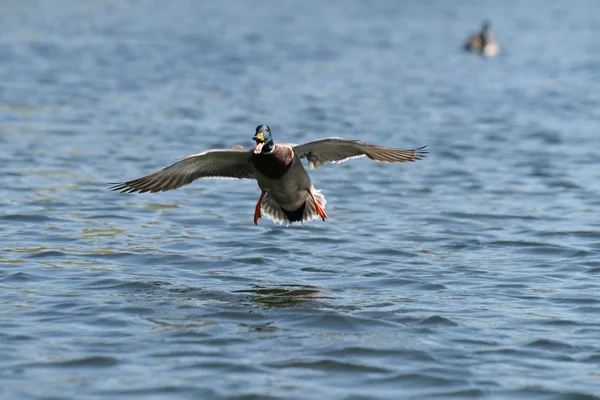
(318, 152)
(231, 163)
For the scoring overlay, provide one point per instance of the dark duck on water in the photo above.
(287, 193)
(483, 42)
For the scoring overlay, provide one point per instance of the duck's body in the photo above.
(287, 192)
(286, 184)
(483, 42)
(473, 43)
(490, 49)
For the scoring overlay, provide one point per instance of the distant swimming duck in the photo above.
(483, 42)
(287, 194)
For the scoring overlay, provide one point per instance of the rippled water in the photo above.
(473, 273)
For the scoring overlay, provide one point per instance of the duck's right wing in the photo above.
(233, 163)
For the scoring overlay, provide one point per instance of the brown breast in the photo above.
(274, 165)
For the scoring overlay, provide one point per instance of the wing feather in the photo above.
(230, 163)
(337, 150)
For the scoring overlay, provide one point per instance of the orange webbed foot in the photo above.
(320, 212)
(257, 213)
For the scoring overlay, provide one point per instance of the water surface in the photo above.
(471, 274)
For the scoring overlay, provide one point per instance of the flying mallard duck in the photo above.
(483, 42)
(287, 194)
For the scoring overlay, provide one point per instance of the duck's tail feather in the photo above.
(306, 212)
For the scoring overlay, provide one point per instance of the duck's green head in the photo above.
(263, 139)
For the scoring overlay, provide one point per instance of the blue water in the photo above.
(471, 274)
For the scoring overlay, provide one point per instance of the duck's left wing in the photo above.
(228, 163)
(337, 150)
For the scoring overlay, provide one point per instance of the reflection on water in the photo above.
(283, 296)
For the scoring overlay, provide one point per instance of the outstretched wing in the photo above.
(230, 163)
(337, 150)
